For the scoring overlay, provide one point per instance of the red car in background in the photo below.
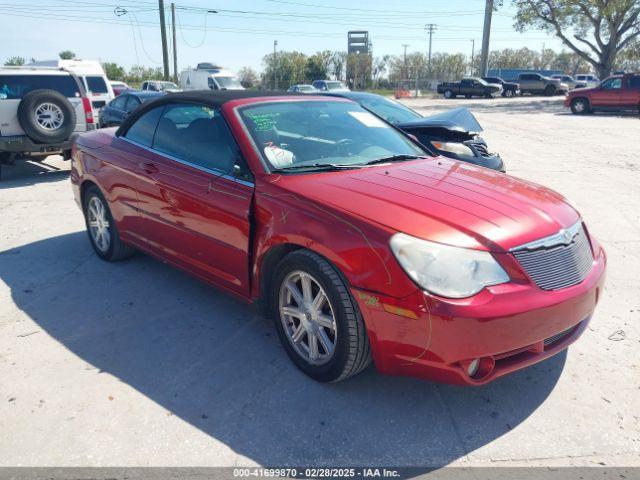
(359, 244)
(119, 87)
(615, 93)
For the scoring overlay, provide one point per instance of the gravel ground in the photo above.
(137, 364)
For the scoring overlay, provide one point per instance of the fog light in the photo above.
(472, 369)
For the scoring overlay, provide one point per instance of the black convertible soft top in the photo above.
(206, 97)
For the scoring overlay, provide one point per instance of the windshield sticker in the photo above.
(368, 119)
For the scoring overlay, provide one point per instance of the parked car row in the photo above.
(359, 243)
(527, 83)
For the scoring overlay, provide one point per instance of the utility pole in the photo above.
(163, 34)
(473, 51)
(275, 66)
(405, 60)
(486, 32)
(175, 50)
(430, 28)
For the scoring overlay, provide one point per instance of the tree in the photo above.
(113, 71)
(15, 61)
(338, 63)
(67, 55)
(318, 65)
(248, 77)
(290, 68)
(379, 67)
(629, 59)
(596, 30)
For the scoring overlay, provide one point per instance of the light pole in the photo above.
(473, 49)
(430, 28)
(275, 66)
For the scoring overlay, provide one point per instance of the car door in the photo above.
(630, 93)
(608, 94)
(196, 195)
(113, 113)
(132, 103)
(129, 154)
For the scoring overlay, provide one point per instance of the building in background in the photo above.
(359, 59)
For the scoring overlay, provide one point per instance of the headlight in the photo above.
(444, 270)
(453, 147)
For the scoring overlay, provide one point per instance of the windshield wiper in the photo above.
(392, 158)
(317, 167)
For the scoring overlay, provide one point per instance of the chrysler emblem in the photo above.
(567, 236)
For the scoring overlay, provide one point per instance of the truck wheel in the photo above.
(580, 106)
(102, 230)
(508, 93)
(46, 116)
(550, 90)
(448, 94)
(318, 322)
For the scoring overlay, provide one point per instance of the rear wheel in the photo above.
(102, 230)
(318, 322)
(580, 106)
(448, 94)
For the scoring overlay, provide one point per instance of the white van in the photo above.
(209, 76)
(91, 74)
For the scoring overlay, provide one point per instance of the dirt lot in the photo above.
(136, 363)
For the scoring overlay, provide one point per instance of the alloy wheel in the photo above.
(99, 224)
(49, 116)
(307, 317)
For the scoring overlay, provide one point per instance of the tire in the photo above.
(115, 249)
(508, 93)
(46, 116)
(550, 90)
(580, 106)
(448, 94)
(351, 350)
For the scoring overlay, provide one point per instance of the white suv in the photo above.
(41, 110)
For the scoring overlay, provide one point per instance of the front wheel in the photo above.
(102, 230)
(550, 90)
(580, 106)
(318, 322)
(508, 93)
(448, 94)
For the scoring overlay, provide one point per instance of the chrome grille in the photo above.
(559, 261)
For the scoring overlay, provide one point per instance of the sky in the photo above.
(237, 33)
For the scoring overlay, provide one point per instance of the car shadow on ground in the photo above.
(24, 173)
(213, 362)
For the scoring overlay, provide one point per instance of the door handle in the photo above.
(148, 167)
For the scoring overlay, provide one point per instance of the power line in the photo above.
(311, 34)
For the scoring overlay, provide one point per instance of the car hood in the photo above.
(441, 200)
(582, 90)
(458, 119)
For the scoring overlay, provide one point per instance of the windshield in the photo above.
(228, 82)
(335, 86)
(168, 86)
(388, 109)
(298, 133)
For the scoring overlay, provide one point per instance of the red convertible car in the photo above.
(357, 242)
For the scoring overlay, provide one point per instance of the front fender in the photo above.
(356, 247)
